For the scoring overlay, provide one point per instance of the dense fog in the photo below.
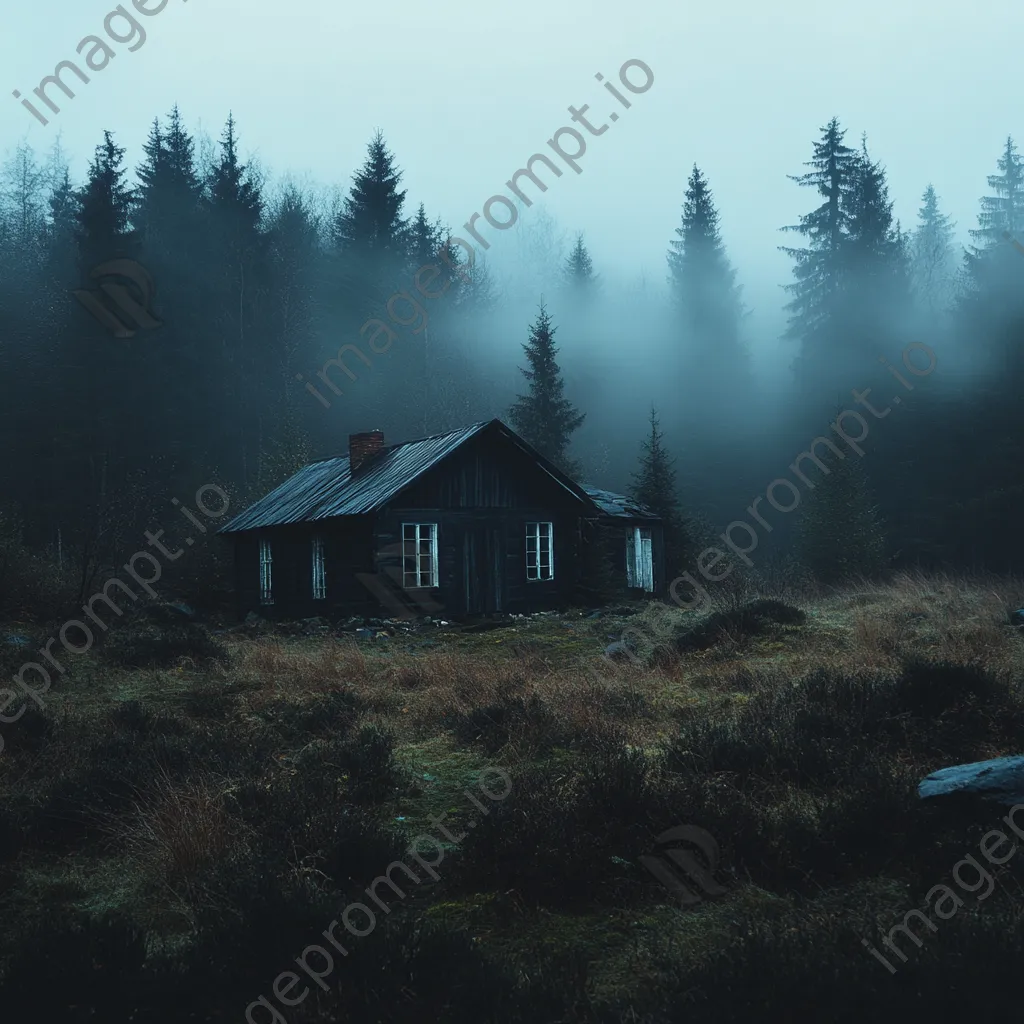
(729, 260)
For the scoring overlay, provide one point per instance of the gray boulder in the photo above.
(1000, 780)
(618, 651)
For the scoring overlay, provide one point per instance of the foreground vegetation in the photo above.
(172, 837)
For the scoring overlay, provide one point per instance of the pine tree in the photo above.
(840, 533)
(235, 197)
(991, 292)
(370, 230)
(234, 277)
(991, 301)
(168, 199)
(934, 256)
(60, 233)
(104, 210)
(1003, 213)
(816, 308)
(702, 280)
(425, 239)
(578, 273)
(876, 263)
(293, 250)
(654, 485)
(102, 427)
(544, 418)
(870, 241)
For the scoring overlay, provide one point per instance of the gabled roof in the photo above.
(619, 505)
(327, 488)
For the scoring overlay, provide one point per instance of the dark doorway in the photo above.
(483, 569)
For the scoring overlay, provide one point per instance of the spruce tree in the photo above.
(934, 256)
(168, 199)
(104, 210)
(991, 297)
(816, 308)
(370, 231)
(578, 273)
(544, 417)
(425, 240)
(293, 250)
(236, 197)
(235, 277)
(654, 486)
(840, 533)
(876, 264)
(1003, 213)
(60, 232)
(701, 278)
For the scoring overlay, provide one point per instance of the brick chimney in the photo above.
(363, 447)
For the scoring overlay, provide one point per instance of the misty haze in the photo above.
(511, 514)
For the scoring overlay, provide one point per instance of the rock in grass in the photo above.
(1000, 779)
(617, 651)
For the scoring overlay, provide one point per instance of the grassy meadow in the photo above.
(177, 827)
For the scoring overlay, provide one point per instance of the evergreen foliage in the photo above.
(544, 417)
(702, 279)
(654, 485)
(934, 259)
(579, 269)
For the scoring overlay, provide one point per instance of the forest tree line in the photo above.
(257, 285)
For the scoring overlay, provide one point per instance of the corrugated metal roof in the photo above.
(618, 504)
(327, 488)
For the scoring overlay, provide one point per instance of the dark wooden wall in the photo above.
(481, 497)
(348, 550)
(482, 559)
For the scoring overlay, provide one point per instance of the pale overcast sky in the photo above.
(465, 92)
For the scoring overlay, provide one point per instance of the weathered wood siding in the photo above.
(481, 498)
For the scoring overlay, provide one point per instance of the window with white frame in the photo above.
(319, 569)
(540, 551)
(266, 590)
(640, 559)
(419, 555)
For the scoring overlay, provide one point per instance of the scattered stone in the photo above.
(617, 651)
(1000, 779)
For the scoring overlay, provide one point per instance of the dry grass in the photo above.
(177, 829)
(798, 790)
(959, 619)
(863, 626)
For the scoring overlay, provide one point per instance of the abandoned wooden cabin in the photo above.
(469, 522)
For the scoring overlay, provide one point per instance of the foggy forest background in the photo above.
(260, 281)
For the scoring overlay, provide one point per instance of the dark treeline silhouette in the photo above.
(257, 287)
